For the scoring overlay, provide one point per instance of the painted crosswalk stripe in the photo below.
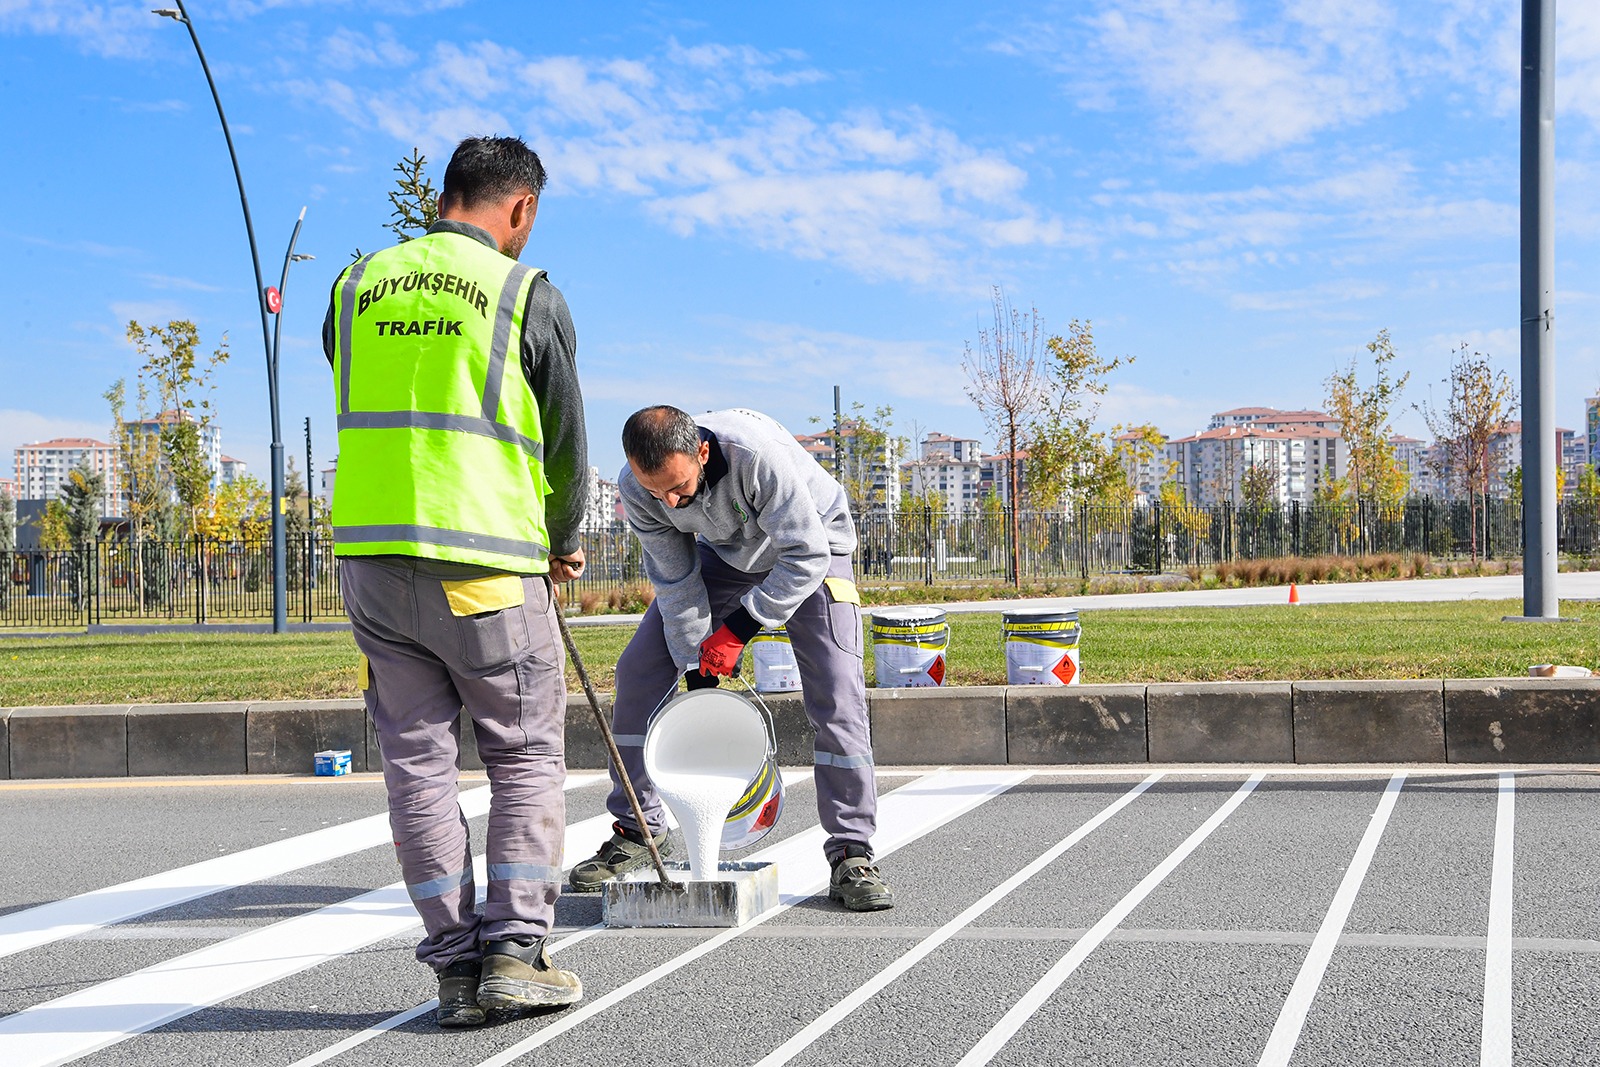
(1004, 1030)
(33, 927)
(790, 778)
(834, 1015)
(1292, 1017)
(904, 815)
(1496, 1047)
(80, 1023)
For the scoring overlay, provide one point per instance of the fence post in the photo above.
(1155, 514)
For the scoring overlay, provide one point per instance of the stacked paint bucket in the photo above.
(772, 657)
(909, 646)
(1041, 647)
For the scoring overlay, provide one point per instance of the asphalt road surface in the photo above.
(1394, 916)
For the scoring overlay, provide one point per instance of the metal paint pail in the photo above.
(1041, 647)
(712, 729)
(909, 647)
(772, 657)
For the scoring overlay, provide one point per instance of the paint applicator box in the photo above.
(331, 761)
(741, 892)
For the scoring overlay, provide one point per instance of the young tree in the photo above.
(8, 533)
(866, 448)
(1068, 459)
(1006, 378)
(81, 494)
(1259, 486)
(183, 383)
(1364, 414)
(53, 535)
(414, 199)
(1480, 397)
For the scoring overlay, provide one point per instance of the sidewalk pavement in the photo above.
(1574, 585)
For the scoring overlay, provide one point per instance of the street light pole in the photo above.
(280, 594)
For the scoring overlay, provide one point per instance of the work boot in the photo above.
(624, 852)
(857, 885)
(517, 977)
(458, 996)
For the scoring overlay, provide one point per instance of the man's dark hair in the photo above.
(653, 435)
(488, 169)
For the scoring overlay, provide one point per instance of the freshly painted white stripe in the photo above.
(1292, 1018)
(361, 1037)
(1497, 1019)
(904, 815)
(80, 1023)
(834, 1015)
(22, 930)
(1013, 1020)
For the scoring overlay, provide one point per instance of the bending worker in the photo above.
(741, 529)
(462, 481)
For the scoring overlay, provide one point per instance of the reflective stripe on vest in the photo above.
(441, 456)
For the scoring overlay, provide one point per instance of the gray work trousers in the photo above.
(826, 636)
(506, 668)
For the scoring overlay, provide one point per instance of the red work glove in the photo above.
(719, 653)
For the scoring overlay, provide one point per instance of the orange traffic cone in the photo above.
(1294, 593)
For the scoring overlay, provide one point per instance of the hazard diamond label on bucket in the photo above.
(1065, 670)
(936, 670)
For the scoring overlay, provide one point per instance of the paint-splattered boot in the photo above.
(458, 996)
(857, 884)
(518, 977)
(625, 851)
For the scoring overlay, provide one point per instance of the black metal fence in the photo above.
(231, 581)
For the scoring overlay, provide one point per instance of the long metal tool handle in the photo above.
(611, 742)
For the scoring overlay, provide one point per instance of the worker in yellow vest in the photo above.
(463, 473)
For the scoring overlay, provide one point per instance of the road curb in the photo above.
(1481, 720)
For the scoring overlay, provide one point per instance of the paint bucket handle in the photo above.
(766, 713)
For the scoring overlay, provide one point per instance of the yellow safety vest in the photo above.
(441, 450)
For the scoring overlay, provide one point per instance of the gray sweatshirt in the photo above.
(767, 506)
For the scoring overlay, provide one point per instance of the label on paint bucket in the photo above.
(1041, 647)
(772, 657)
(909, 647)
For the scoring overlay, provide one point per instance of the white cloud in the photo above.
(112, 29)
(168, 281)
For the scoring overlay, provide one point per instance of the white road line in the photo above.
(904, 815)
(868, 989)
(1004, 1030)
(1497, 1018)
(23, 930)
(361, 1037)
(77, 1024)
(1292, 1017)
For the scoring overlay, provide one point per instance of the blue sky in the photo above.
(749, 205)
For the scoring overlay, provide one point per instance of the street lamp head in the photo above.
(301, 257)
(168, 13)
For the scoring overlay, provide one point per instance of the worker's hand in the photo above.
(693, 679)
(566, 568)
(719, 653)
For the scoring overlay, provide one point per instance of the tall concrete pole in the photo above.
(1539, 454)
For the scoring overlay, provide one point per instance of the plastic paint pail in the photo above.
(1041, 647)
(772, 657)
(713, 758)
(909, 646)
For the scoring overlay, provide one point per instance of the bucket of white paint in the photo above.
(773, 658)
(1041, 647)
(909, 646)
(713, 758)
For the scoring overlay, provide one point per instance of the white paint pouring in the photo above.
(704, 751)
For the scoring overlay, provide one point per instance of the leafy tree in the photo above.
(1006, 377)
(1514, 484)
(53, 535)
(1067, 458)
(1259, 486)
(81, 493)
(1364, 414)
(865, 447)
(1136, 448)
(8, 531)
(1480, 398)
(183, 382)
(1586, 491)
(414, 199)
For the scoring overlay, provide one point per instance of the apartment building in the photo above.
(42, 469)
(1145, 473)
(210, 439)
(605, 500)
(950, 468)
(230, 470)
(881, 471)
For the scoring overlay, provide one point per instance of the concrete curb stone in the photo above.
(1075, 724)
(5, 742)
(1221, 722)
(282, 736)
(932, 725)
(90, 741)
(1369, 721)
(1522, 720)
(186, 739)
